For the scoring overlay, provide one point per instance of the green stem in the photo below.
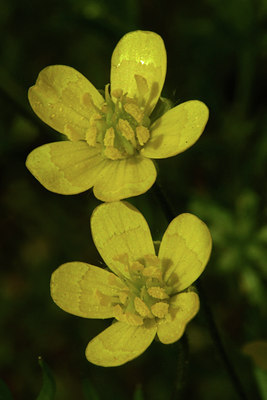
(214, 332)
(182, 368)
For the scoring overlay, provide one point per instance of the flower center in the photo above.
(121, 126)
(147, 296)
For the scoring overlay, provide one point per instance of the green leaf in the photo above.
(261, 377)
(89, 390)
(138, 394)
(5, 393)
(48, 389)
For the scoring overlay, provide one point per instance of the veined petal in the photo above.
(62, 97)
(185, 250)
(119, 228)
(139, 59)
(120, 343)
(177, 130)
(183, 308)
(66, 167)
(75, 288)
(124, 178)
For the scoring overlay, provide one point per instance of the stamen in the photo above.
(141, 307)
(109, 137)
(160, 309)
(142, 134)
(133, 109)
(157, 292)
(126, 130)
(113, 153)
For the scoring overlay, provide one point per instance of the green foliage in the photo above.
(261, 377)
(89, 390)
(138, 393)
(49, 387)
(5, 393)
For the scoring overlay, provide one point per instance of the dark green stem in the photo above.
(214, 332)
(182, 369)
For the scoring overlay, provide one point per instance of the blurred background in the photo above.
(217, 53)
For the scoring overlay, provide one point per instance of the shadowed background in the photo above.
(217, 53)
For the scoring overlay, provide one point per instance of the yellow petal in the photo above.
(183, 308)
(138, 64)
(125, 178)
(75, 288)
(120, 343)
(62, 98)
(120, 229)
(177, 130)
(65, 167)
(185, 250)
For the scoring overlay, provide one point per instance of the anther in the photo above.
(160, 309)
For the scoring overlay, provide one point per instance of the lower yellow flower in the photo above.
(147, 294)
(112, 139)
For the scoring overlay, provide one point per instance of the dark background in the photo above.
(217, 53)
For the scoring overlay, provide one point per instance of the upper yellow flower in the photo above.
(147, 294)
(111, 140)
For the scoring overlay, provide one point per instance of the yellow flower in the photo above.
(111, 140)
(147, 294)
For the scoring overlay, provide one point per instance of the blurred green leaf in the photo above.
(49, 387)
(138, 394)
(4, 391)
(261, 377)
(90, 391)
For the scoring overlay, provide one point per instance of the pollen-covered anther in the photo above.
(109, 137)
(134, 110)
(141, 308)
(142, 134)
(126, 130)
(113, 154)
(160, 309)
(157, 292)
